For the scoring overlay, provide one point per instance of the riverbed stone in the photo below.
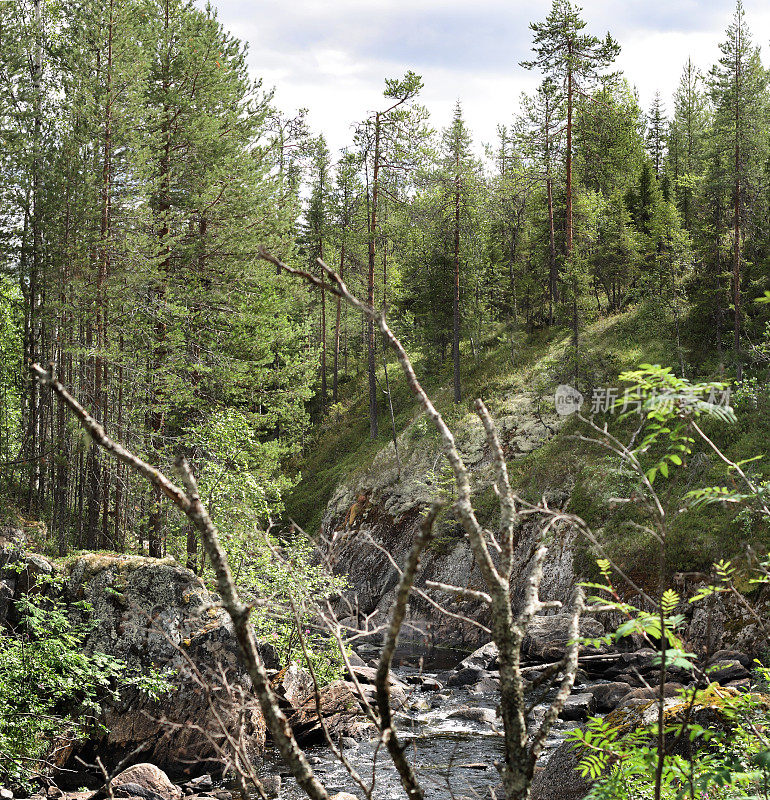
(271, 785)
(485, 716)
(727, 670)
(608, 695)
(644, 694)
(578, 706)
(467, 676)
(148, 776)
(733, 655)
(203, 783)
(483, 658)
(547, 637)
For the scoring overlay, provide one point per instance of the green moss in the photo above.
(101, 560)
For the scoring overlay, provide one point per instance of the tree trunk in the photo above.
(456, 303)
(370, 293)
(553, 276)
(34, 278)
(324, 397)
(335, 376)
(159, 355)
(737, 213)
(568, 226)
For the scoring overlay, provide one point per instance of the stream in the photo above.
(453, 755)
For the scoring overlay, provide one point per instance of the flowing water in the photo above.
(454, 756)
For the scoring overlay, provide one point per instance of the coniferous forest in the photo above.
(252, 315)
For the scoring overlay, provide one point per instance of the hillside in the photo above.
(343, 464)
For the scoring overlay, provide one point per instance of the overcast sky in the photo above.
(332, 56)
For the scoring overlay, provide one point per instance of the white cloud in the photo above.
(333, 57)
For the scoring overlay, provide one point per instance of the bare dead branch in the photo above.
(188, 501)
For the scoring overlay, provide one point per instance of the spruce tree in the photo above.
(458, 167)
(540, 130)
(686, 159)
(657, 134)
(738, 84)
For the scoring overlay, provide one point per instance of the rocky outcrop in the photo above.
(19, 573)
(158, 616)
(386, 502)
(159, 619)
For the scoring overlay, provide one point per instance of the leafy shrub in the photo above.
(50, 686)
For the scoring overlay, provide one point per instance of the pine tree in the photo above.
(389, 136)
(317, 220)
(348, 203)
(574, 60)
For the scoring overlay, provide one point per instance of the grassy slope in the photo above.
(342, 446)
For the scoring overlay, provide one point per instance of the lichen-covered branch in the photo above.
(189, 502)
(389, 736)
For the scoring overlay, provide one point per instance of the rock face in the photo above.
(385, 504)
(19, 571)
(155, 614)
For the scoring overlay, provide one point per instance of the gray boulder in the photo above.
(560, 779)
(19, 574)
(547, 637)
(484, 716)
(578, 706)
(483, 658)
(466, 676)
(148, 778)
(644, 694)
(733, 655)
(608, 695)
(727, 670)
(154, 614)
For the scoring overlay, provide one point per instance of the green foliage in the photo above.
(286, 583)
(722, 758)
(50, 686)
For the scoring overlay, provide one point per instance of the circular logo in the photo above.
(567, 399)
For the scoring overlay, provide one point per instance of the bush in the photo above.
(50, 687)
